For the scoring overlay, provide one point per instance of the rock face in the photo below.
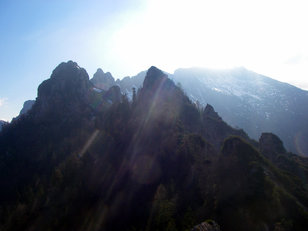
(67, 90)
(157, 83)
(154, 78)
(26, 107)
(103, 80)
(156, 88)
(154, 98)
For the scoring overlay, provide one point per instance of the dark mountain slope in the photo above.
(251, 188)
(87, 160)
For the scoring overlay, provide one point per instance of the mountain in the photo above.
(89, 159)
(246, 100)
(127, 83)
(252, 101)
(103, 81)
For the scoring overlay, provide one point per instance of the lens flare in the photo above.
(301, 144)
(89, 142)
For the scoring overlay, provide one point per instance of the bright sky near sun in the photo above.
(125, 37)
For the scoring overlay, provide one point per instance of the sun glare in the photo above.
(214, 34)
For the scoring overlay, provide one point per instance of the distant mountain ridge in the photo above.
(246, 100)
(253, 102)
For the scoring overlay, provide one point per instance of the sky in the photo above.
(125, 37)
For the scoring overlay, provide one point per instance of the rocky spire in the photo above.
(210, 112)
(155, 79)
(103, 80)
(66, 90)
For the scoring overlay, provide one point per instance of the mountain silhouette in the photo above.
(84, 158)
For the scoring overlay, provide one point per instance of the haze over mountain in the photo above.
(84, 158)
(245, 100)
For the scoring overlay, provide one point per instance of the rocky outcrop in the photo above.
(210, 112)
(103, 80)
(156, 79)
(67, 91)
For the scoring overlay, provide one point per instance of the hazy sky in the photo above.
(128, 36)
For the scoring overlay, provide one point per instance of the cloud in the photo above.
(2, 101)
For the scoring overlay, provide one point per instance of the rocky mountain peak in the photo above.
(99, 72)
(155, 79)
(68, 70)
(103, 80)
(67, 87)
(154, 71)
